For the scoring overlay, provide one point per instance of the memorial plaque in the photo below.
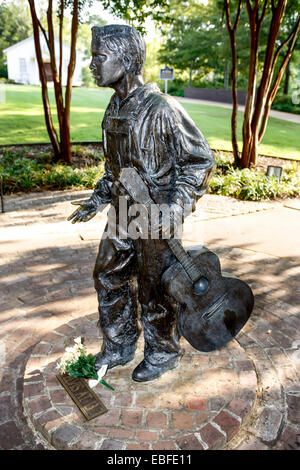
(83, 396)
(166, 73)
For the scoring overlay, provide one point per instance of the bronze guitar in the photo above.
(212, 308)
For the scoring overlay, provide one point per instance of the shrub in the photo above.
(175, 87)
(88, 81)
(251, 185)
(285, 103)
(23, 174)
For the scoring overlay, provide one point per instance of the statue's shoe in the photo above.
(145, 371)
(112, 359)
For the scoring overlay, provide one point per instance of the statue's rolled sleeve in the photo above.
(193, 159)
(102, 191)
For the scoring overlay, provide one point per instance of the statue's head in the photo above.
(116, 50)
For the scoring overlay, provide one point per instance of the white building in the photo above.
(23, 68)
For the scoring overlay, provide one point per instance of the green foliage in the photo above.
(152, 64)
(197, 40)
(84, 34)
(14, 27)
(88, 81)
(22, 121)
(135, 12)
(252, 185)
(83, 367)
(284, 103)
(192, 40)
(175, 87)
(22, 174)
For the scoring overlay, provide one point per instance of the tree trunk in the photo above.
(247, 131)
(226, 73)
(250, 137)
(62, 149)
(287, 79)
(56, 81)
(266, 79)
(47, 112)
(191, 74)
(234, 114)
(61, 21)
(71, 67)
(233, 74)
(291, 40)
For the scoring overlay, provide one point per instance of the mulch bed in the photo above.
(263, 161)
(83, 154)
(86, 153)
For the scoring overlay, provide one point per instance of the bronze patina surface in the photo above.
(83, 396)
(150, 132)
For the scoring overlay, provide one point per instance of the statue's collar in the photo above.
(138, 95)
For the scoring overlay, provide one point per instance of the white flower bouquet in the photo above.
(77, 363)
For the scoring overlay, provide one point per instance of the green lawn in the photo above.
(22, 121)
(281, 138)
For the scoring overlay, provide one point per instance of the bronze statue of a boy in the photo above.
(150, 131)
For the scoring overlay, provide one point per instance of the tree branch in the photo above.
(226, 8)
(273, 6)
(263, 13)
(71, 67)
(248, 4)
(61, 19)
(232, 31)
(287, 40)
(56, 82)
(275, 86)
(44, 33)
(238, 15)
(46, 104)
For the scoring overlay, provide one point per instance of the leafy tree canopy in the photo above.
(195, 33)
(15, 25)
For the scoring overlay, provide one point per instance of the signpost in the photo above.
(166, 74)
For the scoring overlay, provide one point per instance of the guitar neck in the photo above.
(139, 192)
(184, 259)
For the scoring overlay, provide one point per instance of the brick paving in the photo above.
(206, 399)
(246, 396)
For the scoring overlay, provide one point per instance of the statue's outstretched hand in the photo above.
(86, 211)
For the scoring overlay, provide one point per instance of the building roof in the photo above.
(30, 38)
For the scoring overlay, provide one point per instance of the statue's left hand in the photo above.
(87, 210)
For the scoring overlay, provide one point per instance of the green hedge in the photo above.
(23, 174)
(253, 185)
(284, 103)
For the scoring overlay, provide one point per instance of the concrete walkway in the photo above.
(46, 266)
(273, 113)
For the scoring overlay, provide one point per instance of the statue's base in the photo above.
(203, 404)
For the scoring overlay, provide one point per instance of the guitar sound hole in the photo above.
(201, 286)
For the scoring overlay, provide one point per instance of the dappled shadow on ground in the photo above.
(270, 277)
(38, 199)
(37, 281)
(47, 287)
(50, 281)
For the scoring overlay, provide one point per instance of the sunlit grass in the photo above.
(280, 140)
(22, 121)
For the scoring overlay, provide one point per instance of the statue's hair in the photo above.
(124, 40)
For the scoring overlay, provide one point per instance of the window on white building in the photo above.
(23, 68)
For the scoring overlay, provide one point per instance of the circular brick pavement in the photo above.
(46, 281)
(203, 404)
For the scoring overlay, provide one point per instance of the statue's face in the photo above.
(106, 66)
